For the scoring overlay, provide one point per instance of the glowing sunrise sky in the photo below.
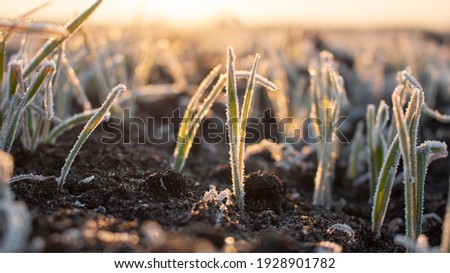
(433, 14)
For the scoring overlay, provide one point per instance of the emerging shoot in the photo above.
(90, 126)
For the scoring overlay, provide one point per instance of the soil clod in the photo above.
(263, 191)
(166, 183)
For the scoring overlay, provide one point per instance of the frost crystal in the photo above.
(343, 228)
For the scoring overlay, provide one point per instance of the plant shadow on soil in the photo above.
(135, 203)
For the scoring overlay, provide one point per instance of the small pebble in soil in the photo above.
(263, 191)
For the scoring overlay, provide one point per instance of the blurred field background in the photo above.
(167, 47)
(171, 45)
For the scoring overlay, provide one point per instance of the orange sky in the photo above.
(434, 14)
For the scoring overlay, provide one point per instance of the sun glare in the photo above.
(345, 13)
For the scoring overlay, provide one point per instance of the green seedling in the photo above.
(354, 160)
(248, 101)
(376, 141)
(415, 161)
(44, 75)
(13, 84)
(407, 145)
(233, 124)
(90, 126)
(426, 152)
(196, 111)
(19, 121)
(329, 99)
(15, 78)
(184, 142)
(237, 123)
(70, 123)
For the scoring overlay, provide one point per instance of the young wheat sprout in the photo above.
(236, 118)
(328, 100)
(48, 98)
(386, 176)
(408, 169)
(415, 161)
(69, 123)
(426, 153)
(47, 71)
(248, 99)
(90, 126)
(184, 144)
(354, 160)
(233, 129)
(192, 116)
(376, 141)
(237, 123)
(15, 78)
(13, 85)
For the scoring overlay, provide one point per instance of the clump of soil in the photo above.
(164, 184)
(263, 191)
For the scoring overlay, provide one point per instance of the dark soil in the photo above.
(136, 203)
